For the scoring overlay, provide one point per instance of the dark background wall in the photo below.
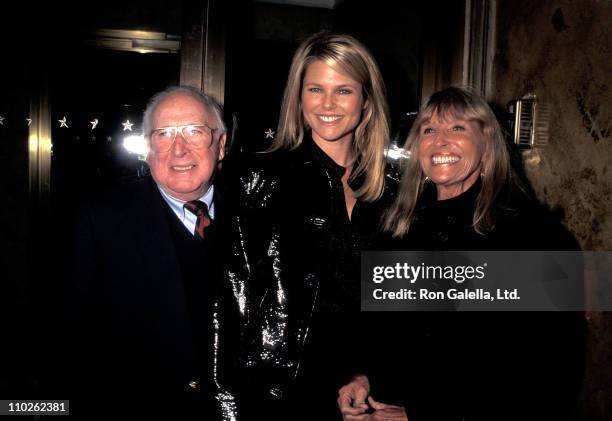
(263, 37)
(561, 51)
(14, 107)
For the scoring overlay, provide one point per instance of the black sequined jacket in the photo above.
(295, 252)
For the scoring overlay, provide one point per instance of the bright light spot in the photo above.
(33, 143)
(39, 144)
(136, 144)
(394, 152)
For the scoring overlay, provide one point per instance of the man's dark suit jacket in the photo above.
(140, 309)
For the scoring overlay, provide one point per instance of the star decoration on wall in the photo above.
(29, 120)
(63, 123)
(2, 120)
(269, 134)
(94, 123)
(127, 125)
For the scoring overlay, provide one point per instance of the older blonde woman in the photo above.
(460, 192)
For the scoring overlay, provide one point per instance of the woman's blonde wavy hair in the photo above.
(497, 174)
(348, 56)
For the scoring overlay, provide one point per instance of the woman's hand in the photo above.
(384, 412)
(353, 406)
(352, 397)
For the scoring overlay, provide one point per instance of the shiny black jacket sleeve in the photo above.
(254, 274)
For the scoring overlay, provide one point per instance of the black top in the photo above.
(346, 237)
(481, 365)
(522, 224)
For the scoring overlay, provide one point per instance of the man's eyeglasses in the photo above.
(197, 136)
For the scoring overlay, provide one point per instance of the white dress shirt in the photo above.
(186, 217)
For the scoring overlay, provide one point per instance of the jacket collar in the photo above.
(317, 154)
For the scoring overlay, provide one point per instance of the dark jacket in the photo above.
(298, 253)
(142, 307)
(484, 365)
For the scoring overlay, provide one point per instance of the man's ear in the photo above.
(149, 152)
(222, 140)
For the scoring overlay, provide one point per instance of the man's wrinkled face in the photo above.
(184, 172)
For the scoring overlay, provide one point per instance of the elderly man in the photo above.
(146, 279)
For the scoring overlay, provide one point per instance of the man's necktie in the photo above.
(200, 209)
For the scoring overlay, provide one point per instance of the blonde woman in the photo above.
(307, 208)
(459, 192)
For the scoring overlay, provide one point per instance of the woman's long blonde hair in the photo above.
(348, 56)
(496, 171)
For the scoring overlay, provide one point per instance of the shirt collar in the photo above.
(329, 164)
(177, 205)
(321, 157)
